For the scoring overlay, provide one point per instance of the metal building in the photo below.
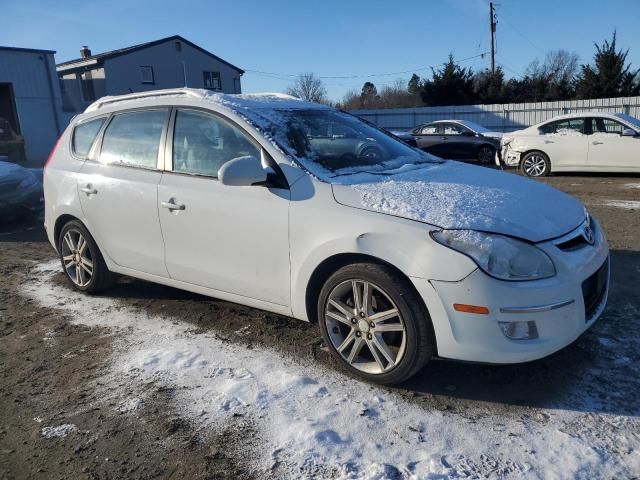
(30, 102)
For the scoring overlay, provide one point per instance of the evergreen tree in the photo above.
(609, 76)
(450, 85)
(489, 87)
(413, 86)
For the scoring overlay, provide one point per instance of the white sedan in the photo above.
(584, 142)
(399, 257)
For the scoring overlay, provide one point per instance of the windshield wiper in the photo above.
(361, 171)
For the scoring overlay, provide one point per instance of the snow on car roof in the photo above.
(236, 102)
(567, 116)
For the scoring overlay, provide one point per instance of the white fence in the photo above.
(502, 117)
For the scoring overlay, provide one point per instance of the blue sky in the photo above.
(329, 37)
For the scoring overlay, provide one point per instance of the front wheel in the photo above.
(81, 259)
(535, 164)
(374, 324)
(486, 154)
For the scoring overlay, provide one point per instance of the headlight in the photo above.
(501, 257)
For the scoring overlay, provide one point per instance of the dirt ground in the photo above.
(49, 369)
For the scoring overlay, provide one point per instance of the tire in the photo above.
(81, 259)
(535, 164)
(407, 338)
(486, 154)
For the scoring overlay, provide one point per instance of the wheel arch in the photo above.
(332, 264)
(60, 222)
(534, 150)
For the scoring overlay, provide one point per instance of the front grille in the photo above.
(594, 289)
(574, 243)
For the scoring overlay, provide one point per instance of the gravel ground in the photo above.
(66, 413)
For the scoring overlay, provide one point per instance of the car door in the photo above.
(230, 239)
(566, 143)
(457, 141)
(609, 150)
(118, 190)
(429, 137)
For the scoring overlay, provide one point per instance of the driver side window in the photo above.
(203, 142)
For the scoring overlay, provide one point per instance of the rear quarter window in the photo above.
(84, 135)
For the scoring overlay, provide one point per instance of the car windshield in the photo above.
(628, 118)
(331, 143)
(472, 126)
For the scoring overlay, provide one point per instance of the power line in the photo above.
(284, 76)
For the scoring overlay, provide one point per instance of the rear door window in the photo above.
(133, 138)
(569, 127)
(429, 130)
(84, 135)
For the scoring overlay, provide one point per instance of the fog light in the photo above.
(519, 330)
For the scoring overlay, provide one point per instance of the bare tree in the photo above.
(308, 87)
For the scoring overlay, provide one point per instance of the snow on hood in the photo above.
(493, 134)
(453, 195)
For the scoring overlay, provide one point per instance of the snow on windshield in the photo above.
(473, 126)
(628, 118)
(325, 141)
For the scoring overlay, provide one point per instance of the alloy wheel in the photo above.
(535, 165)
(76, 257)
(485, 155)
(365, 326)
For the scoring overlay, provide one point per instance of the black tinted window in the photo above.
(133, 138)
(202, 143)
(84, 135)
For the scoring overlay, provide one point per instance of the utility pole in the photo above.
(492, 28)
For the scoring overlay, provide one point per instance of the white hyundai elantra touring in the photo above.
(306, 211)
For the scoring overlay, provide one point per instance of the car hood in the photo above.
(497, 135)
(453, 195)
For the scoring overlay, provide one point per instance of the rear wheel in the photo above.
(81, 259)
(535, 164)
(374, 324)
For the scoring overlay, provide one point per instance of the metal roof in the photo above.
(101, 57)
(27, 50)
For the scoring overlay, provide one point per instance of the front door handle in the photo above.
(172, 206)
(596, 142)
(549, 141)
(88, 189)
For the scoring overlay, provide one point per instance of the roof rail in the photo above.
(104, 101)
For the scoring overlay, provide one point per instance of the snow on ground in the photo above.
(58, 432)
(314, 422)
(624, 204)
(632, 185)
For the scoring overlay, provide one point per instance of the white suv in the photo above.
(306, 211)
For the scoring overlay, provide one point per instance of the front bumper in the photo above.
(510, 157)
(556, 305)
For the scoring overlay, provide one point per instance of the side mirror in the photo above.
(243, 172)
(629, 132)
(468, 133)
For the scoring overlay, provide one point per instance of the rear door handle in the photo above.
(596, 142)
(549, 141)
(172, 206)
(88, 189)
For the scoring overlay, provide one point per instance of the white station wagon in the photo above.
(399, 256)
(579, 142)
